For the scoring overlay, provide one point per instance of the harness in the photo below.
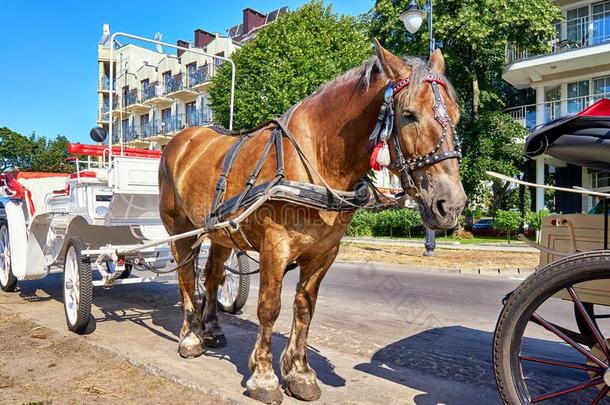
(311, 195)
(384, 128)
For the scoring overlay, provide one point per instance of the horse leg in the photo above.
(214, 274)
(296, 372)
(190, 343)
(263, 385)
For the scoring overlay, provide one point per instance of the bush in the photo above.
(507, 221)
(393, 223)
(534, 219)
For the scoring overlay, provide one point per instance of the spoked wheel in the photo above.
(77, 287)
(540, 351)
(233, 292)
(8, 281)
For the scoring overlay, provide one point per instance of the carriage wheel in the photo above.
(565, 366)
(77, 287)
(233, 292)
(8, 281)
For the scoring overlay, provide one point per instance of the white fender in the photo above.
(18, 240)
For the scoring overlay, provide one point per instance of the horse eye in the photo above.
(409, 117)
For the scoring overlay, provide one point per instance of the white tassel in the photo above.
(383, 157)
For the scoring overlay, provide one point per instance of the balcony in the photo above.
(162, 130)
(200, 79)
(105, 85)
(550, 110)
(129, 134)
(581, 43)
(133, 104)
(156, 96)
(200, 117)
(175, 88)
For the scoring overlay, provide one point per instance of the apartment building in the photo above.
(572, 75)
(156, 91)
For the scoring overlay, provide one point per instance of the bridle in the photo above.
(385, 128)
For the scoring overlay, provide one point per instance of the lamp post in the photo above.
(412, 18)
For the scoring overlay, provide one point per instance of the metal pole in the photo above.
(432, 45)
(605, 224)
(430, 241)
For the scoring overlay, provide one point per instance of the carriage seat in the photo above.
(91, 176)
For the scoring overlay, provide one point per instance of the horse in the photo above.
(332, 128)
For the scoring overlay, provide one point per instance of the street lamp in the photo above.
(412, 18)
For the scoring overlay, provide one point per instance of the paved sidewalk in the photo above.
(498, 247)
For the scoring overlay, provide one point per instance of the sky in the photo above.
(48, 51)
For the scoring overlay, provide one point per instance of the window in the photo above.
(191, 113)
(552, 108)
(125, 93)
(166, 78)
(599, 179)
(577, 25)
(218, 62)
(601, 87)
(145, 88)
(165, 114)
(190, 68)
(601, 22)
(577, 96)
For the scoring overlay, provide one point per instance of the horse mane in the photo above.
(371, 67)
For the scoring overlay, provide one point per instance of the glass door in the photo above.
(578, 95)
(577, 25)
(600, 14)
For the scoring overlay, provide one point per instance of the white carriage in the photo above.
(104, 217)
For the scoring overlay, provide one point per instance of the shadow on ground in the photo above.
(158, 304)
(433, 352)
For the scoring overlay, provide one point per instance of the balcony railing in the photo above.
(171, 124)
(149, 92)
(201, 75)
(173, 84)
(550, 110)
(200, 117)
(590, 30)
(149, 129)
(130, 133)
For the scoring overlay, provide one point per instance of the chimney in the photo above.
(182, 43)
(203, 38)
(252, 19)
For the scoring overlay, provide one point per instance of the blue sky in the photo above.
(48, 51)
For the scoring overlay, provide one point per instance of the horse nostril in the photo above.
(440, 206)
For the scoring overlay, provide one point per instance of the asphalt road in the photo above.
(378, 335)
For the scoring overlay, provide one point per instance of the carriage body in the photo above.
(107, 202)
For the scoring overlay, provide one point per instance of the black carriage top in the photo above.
(582, 139)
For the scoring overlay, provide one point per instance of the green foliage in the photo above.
(462, 234)
(493, 144)
(393, 223)
(473, 35)
(35, 154)
(287, 61)
(507, 221)
(534, 219)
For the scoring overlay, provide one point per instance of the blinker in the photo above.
(389, 93)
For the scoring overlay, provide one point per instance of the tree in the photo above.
(473, 35)
(507, 221)
(534, 219)
(287, 61)
(34, 153)
(15, 150)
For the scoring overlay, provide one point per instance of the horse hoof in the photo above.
(190, 346)
(214, 341)
(273, 396)
(304, 391)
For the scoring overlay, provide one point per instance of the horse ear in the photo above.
(391, 64)
(437, 61)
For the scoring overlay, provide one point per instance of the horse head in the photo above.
(421, 141)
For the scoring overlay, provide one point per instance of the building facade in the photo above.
(572, 75)
(158, 92)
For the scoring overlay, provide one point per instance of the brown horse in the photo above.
(332, 127)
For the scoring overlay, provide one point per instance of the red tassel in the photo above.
(373, 161)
